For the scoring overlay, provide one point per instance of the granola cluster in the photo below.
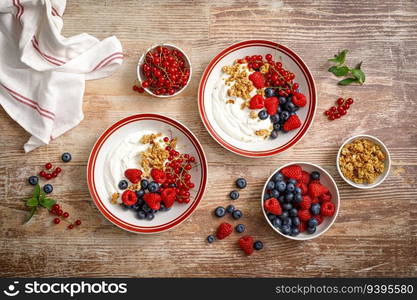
(362, 161)
(240, 85)
(155, 156)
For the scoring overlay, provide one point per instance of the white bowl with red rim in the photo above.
(115, 134)
(141, 75)
(325, 179)
(292, 62)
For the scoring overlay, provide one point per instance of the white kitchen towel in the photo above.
(42, 73)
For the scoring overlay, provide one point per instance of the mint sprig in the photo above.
(355, 75)
(38, 199)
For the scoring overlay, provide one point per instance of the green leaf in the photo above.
(340, 57)
(359, 75)
(347, 81)
(47, 202)
(339, 70)
(32, 202)
(36, 191)
(32, 212)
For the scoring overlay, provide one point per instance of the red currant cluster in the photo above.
(276, 76)
(138, 89)
(51, 175)
(341, 109)
(165, 70)
(56, 210)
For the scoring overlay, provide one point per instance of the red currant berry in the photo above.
(191, 185)
(58, 169)
(42, 173)
(141, 90)
(333, 109)
(337, 115)
(57, 220)
(145, 84)
(59, 212)
(340, 101)
(65, 215)
(192, 159)
(346, 106)
(54, 174)
(340, 108)
(166, 139)
(78, 222)
(342, 112)
(331, 117)
(55, 207)
(70, 226)
(327, 112)
(188, 167)
(48, 176)
(268, 57)
(135, 88)
(48, 166)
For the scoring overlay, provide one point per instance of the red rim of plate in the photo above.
(99, 202)
(311, 88)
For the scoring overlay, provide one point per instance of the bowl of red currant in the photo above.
(164, 70)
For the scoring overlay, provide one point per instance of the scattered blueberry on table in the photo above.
(33, 180)
(48, 188)
(66, 157)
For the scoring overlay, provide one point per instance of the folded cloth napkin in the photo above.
(42, 75)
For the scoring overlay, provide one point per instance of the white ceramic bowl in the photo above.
(381, 177)
(325, 179)
(141, 76)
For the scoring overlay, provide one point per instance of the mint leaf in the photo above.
(359, 75)
(36, 191)
(32, 202)
(339, 70)
(347, 81)
(47, 202)
(32, 212)
(340, 57)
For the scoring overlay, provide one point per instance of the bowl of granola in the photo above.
(147, 173)
(363, 161)
(257, 98)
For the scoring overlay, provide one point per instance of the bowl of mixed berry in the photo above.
(300, 201)
(164, 70)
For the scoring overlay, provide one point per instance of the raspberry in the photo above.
(158, 175)
(272, 205)
(224, 230)
(303, 187)
(315, 200)
(304, 215)
(129, 197)
(168, 197)
(316, 190)
(306, 203)
(326, 197)
(271, 105)
(246, 244)
(153, 200)
(257, 79)
(327, 209)
(302, 226)
(299, 99)
(293, 122)
(305, 178)
(134, 175)
(256, 102)
(293, 171)
(319, 219)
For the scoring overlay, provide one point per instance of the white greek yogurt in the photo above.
(233, 120)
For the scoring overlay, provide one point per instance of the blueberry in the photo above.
(237, 214)
(312, 222)
(283, 215)
(219, 212)
(298, 198)
(263, 115)
(136, 206)
(282, 100)
(150, 216)
(286, 206)
(140, 193)
(271, 217)
(315, 175)
(141, 215)
(153, 187)
(267, 196)
(240, 228)
(277, 222)
(293, 212)
(48, 188)
(258, 245)
(281, 199)
(269, 92)
(274, 118)
(278, 177)
(274, 134)
(285, 229)
(33, 180)
(311, 230)
(66, 157)
(295, 221)
(284, 115)
(274, 193)
(289, 106)
(234, 195)
(287, 221)
(294, 231)
(292, 180)
(315, 209)
(241, 183)
(123, 184)
(146, 208)
(297, 190)
(210, 238)
(289, 196)
(290, 187)
(144, 183)
(279, 110)
(277, 126)
(281, 186)
(230, 208)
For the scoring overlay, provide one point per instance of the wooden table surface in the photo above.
(375, 233)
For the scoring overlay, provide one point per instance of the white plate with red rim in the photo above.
(292, 62)
(126, 219)
(325, 179)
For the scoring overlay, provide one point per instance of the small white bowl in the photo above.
(327, 180)
(387, 162)
(141, 76)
